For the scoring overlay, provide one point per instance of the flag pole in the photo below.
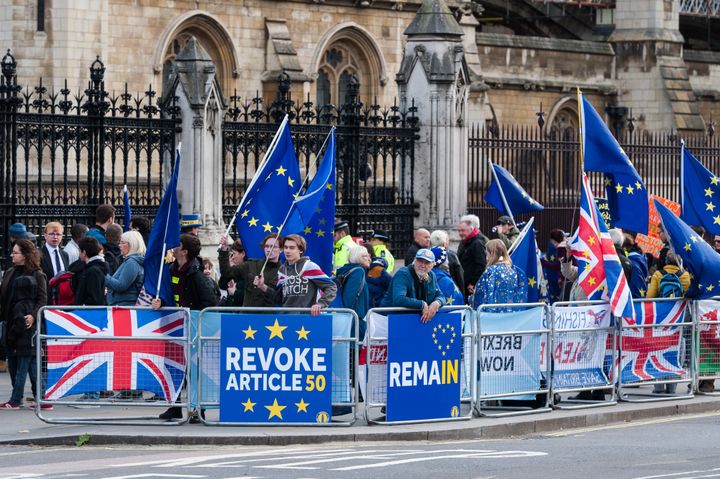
(270, 149)
(502, 193)
(581, 135)
(167, 220)
(287, 215)
(682, 178)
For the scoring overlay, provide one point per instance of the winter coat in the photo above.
(191, 288)
(403, 293)
(638, 279)
(22, 294)
(113, 257)
(124, 286)
(299, 286)
(452, 294)
(471, 253)
(654, 286)
(355, 292)
(244, 275)
(456, 270)
(88, 283)
(378, 284)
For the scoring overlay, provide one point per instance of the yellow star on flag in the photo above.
(291, 182)
(249, 405)
(253, 221)
(642, 292)
(329, 186)
(710, 287)
(708, 192)
(693, 238)
(249, 332)
(709, 206)
(275, 410)
(245, 213)
(591, 240)
(307, 230)
(281, 171)
(320, 233)
(302, 405)
(716, 220)
(586, 253)
(449, 300)
(608, 182)
(714, 180)
(267, 226)
(630, 189)
(638, 185)
(276, 330)
(687, 247)
(618, 188)
(587, 266)
(531, 282)
(591, 281)
(302, 333)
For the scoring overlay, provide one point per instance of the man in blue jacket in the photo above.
(414, 287)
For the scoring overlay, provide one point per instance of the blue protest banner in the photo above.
(510, 362)
(275, 368)
(423, 367)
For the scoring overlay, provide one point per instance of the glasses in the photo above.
(55, 233)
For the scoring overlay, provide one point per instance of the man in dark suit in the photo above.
(54, 259)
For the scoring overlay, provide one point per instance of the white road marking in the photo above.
(190, 461)
(153, 475)
(478, 455)
(683, 417)
(242, 462)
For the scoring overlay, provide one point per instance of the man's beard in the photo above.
(422, 276)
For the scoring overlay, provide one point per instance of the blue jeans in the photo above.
(19, 367)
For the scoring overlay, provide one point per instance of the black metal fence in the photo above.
(62, 153)
(549, 169)
(375, 155)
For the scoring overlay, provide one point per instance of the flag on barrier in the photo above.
(90, 360)
(653, 352)
(709, 326)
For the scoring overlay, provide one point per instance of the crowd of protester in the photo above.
(102, 265)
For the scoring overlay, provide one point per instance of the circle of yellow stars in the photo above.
(442, 330)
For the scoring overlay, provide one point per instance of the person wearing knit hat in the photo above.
(378, 241)
(453, 296)
(17, 231)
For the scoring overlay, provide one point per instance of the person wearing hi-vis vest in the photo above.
(380, 250)
(343, 244)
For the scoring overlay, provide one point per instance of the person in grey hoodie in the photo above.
(301, 283)
(124, 285)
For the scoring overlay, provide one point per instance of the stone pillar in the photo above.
(434, 75)
(202, 109)
(651, 73)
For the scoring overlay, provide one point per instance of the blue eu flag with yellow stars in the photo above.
(276, 368)
(313, 214)
(626, 193)
(271, 192)
(505, 190)
(700, 194)
(524, 256)
(698, 257)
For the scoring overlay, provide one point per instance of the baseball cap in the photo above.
(425, 255)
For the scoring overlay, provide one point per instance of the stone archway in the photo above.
(343, 51)
(210, 34)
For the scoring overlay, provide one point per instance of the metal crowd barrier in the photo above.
(583, 355)
(376, 352)
(208, 384)
(508, 389)
(648, 350)
(706, 315)
(85, 352)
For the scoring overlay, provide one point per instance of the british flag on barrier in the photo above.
(600, 273)
(653, 352)
(89, 361)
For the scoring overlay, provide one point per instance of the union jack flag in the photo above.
(653, 352)
(89, 360)
(600, 273)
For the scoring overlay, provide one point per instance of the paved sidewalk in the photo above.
(23, 427)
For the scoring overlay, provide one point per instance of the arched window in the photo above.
(324, 90)
(338, 65)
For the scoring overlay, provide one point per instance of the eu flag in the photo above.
(524, 256)
(698, 257)
(164, 235)
(700, 194)
(626, 193)
(318, 231)
(126, 210)
(505, 190)
(272, 190)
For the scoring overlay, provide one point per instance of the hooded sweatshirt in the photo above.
(301, 285)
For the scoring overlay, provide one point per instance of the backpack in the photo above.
(670, 286)
(60, 292)
(340, 281)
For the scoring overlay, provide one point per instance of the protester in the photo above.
(243, 274)
(123, 287)
(111, 249)
(378, 280)
(299, 280)
(502, 281)
(54, 259)
(190, 224)
(618, 239)
(452, 294)
(22, 293)
(506, 230)
(471, 251)
(551, 266)
(378, 241)
(355, 292)
(88, 283)
(421, 240)
(104, 217)
(638, 279)
(442, 238)
(191, 289)
(343, 244)
(17, 231)
(230, 260)
(142, 225)
(77, 231)
(414, 287)
(211, 273)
